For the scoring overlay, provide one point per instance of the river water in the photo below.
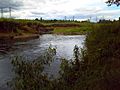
(33, 48)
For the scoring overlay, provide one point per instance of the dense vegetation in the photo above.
(102, 58)
(116, 2)
(29, 74)
(95, 67)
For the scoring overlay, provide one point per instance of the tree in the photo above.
(36, 19)
(119, 19)
(41, 19)
(111, 2)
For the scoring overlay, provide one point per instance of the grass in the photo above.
(70, 30)
(83, 29)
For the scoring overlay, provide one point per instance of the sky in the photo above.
(58, 9)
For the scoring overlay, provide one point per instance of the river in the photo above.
(33, 48)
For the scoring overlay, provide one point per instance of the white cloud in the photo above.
(51, 9)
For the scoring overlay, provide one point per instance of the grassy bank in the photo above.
(14, 28)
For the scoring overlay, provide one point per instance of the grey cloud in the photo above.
(42, 1)
(87, 10)
(36, 16)
(54, 12)
(38, 13)
(15, 4)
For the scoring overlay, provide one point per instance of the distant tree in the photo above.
(119, 19)
(111, 2)
(41, 19)
(36, 19)
(114, 20)
(104, 21)
(55, 20)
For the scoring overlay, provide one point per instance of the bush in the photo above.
(29, 74)
(102, 58)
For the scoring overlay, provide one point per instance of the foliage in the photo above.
(102, 58)
(99, 67)
(29, 74)
(116, 2)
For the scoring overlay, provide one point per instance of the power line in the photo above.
(103, 17)
(65, 18)
(90, 18)
(1, 12)
(96, 19)
(73, 18)
(10, 11)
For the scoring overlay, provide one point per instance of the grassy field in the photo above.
(72, 30)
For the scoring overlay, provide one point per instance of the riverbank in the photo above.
(25, 37)
(7, 41)
(9, 37)
(21, 30)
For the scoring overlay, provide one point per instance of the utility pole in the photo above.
(10, 11)
(65, 18)
(90, 18)
(73, 18)
(96, 18)
(103, 17)
(1, 12)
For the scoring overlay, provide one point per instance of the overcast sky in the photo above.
(58, 9)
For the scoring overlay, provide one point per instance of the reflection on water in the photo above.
(33, 48)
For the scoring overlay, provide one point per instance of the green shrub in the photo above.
(29, 74)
